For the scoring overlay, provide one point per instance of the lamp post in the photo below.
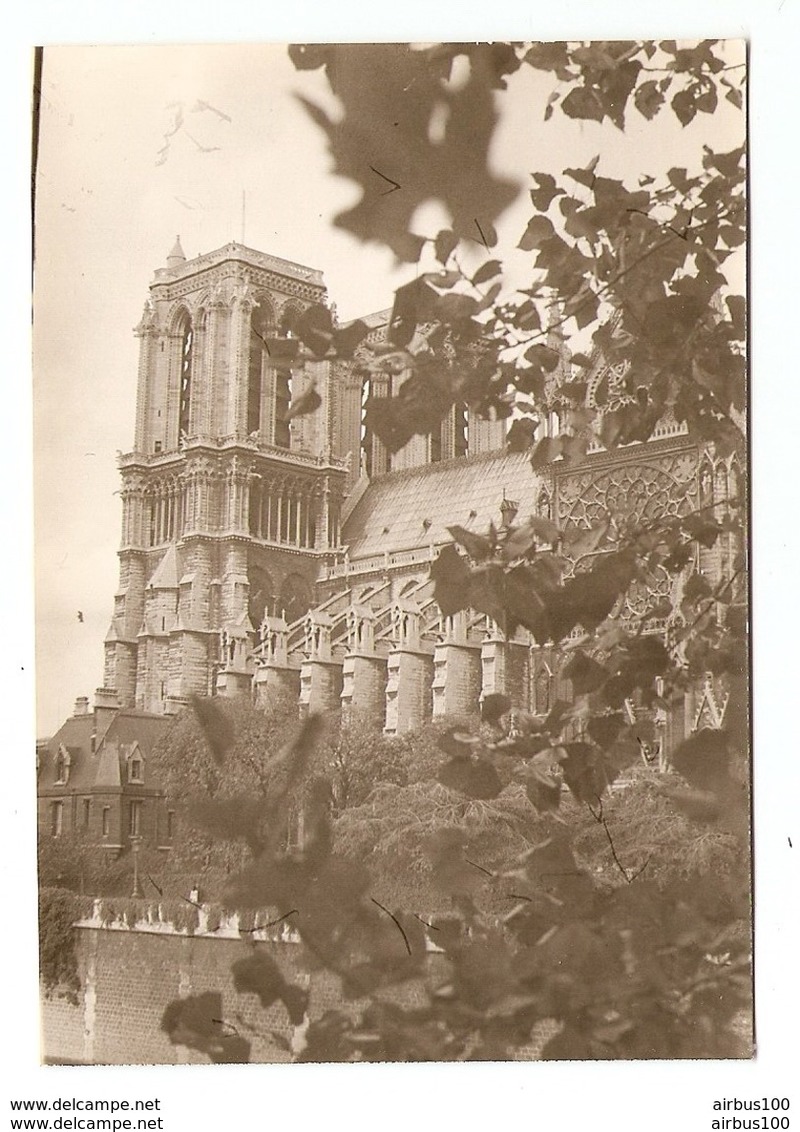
(137, 890)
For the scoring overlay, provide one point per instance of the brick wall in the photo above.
(129, 977)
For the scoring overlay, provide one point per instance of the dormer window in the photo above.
(62, 767)
(135, 766)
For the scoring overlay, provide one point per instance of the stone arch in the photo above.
(181, 331)
(705, 477)
(290, 310)
(262, 327)
(544, 504)
(265, 311)
(294, 599)
(261, 598)
(178, 316)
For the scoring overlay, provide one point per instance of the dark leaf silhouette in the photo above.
(451, 577)
(307, 402)
(387, 92)
(217, 727)
(198, 1023)
(475, 777)
(494, 707)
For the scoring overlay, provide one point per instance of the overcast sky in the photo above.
(113, 191)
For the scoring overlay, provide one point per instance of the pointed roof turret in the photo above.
(177, 256)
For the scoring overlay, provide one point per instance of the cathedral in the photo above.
(265, 552)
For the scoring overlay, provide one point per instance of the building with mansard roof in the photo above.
(97, 777)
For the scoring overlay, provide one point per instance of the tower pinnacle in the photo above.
(177, 256)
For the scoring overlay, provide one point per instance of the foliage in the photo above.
(190, 761)
(75, 861)
(58, 961)
(391, 832)
(641, 957)
(362, 759)
(651, 837)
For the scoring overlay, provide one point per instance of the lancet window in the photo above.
(262, 327)
(165, 507)
(283, 512)
(187, 349)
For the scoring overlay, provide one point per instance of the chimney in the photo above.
(81, 706)
(106, 706)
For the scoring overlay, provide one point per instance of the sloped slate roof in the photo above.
(75, 734)
(139, 727)
(413, 508)
(104, 766)
(109, 771)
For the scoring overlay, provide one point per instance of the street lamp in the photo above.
(137, 890)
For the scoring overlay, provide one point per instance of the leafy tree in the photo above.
(75, 861)
(58, 959)
(218, 764)
(651, 961)
(395, 805)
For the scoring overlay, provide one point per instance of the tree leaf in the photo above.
(585, 673)
(217, 727)
(544, 791)
(494, 707)
(478, 547)
(475, 777)
(583, 102)
(314, 327)
(382, 141)
(451, 576)
(347, 339)
(544, 356)
(445, 244)
(539, 229)
(260, 975)
(307, 402)
(648, 99)
(487, 271)
(546, 451)
(585, 176)
(547, 190)
(520, 436)
(451, 873)
(703, 759)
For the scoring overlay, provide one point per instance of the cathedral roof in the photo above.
(413, 508)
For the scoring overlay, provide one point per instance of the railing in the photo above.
(311, 275)
(377, 562)
(239, 440)
(665, 429)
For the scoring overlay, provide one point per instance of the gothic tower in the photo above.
(230, 508)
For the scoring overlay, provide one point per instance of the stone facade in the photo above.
(261, 553)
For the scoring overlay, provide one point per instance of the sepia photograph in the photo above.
(392, 527)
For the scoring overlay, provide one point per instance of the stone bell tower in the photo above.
(230, 508)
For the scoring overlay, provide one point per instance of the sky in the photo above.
(140, 144)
